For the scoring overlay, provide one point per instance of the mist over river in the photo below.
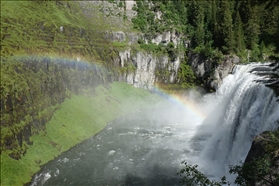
(147, 147)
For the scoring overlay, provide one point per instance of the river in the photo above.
(147, 147)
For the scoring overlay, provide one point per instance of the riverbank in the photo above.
(77, 119)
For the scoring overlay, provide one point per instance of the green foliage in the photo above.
(226, 28)
(191, 176)
(186, 75)
(63, 28)
(29, 26)
(171, 50)
(255, 54)
(272, 145)
(120, 44)
(229, 26)
(239, 34)
(197, 17)
(252, 38)
(120, 4)
(209, 53)
(258, 170)
(153, 48)
(140, 21)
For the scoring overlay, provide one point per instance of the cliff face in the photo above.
(143, 69)
(265, 148)
(210, 72)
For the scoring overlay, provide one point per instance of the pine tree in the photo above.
(252, 30)
(197, 16)
(214, 23)
(238, 34)
(226, 28)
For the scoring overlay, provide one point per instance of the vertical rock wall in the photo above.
(143, 69)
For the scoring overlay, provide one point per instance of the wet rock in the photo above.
(259, 149)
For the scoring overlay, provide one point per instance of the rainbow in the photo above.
(58, 59)
(62, 59)
(178, 99)
(181, 100)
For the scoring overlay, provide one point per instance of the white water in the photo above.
(146, 148)
(240, 110)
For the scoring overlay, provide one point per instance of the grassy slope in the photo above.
(78, 119)
(35, 28)
(23, 24)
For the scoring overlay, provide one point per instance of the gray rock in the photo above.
(158, 15)
(118, 36)
(130, 13)
(199, 64)
(210, 72)
(158, 39)
(132, 37)
(166, 37)
(145, 65)
(223, 69)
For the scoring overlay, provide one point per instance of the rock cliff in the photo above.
(264, 146)
(210, 72)
(143, 69)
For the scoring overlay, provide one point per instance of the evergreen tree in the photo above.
(226, 28)
(197, 17)
(214, 22)
(238, 34)
(269, 22)
(232, 26)
(252, 30)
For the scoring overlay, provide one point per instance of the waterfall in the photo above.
(242, 108)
